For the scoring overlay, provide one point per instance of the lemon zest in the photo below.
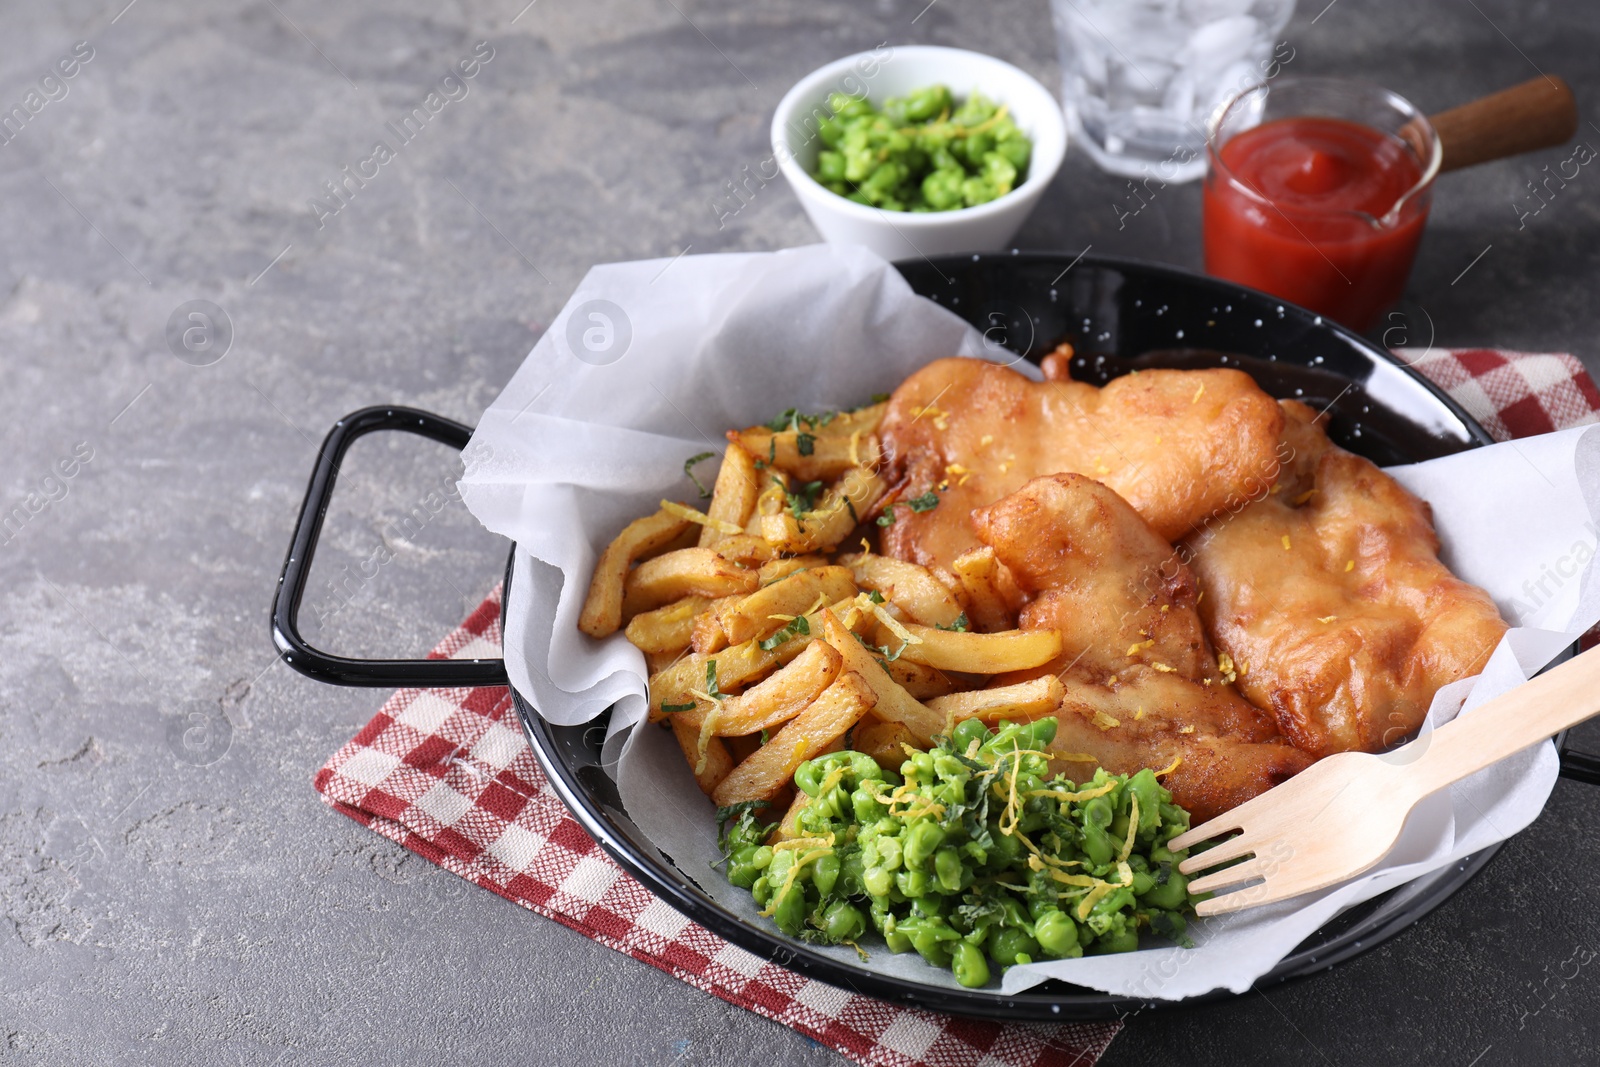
(684, 511)
(1133, 830)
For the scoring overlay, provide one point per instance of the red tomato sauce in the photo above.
(1315, 243)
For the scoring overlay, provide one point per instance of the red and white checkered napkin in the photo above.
(448, 774)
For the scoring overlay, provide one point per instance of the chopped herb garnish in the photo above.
(669, 709)
(878, 398)
(959, 626)
(803, 499)
(793, 417)
(688, 469)
(926, 502)
(744, 828)
(887, 518)
(805, 443)
(797, 625)
(883, 650)
(848, 503)
(764, 734)
(875, 596)
(711, 681)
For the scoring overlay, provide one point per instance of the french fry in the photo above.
(781, 568)
(733, 497)
(882, 741)
(744, 548)
(924, 682)
(773, 498)
(666, 629)
(829, 456)
(978, 573)
(710, 769)
(686, 572)
(788, 828)
(656, 662)
(806, 735)
(752, 615)
(836, 514)
(707, 634)
(737, 666)
(777, 699)
(1022, 702)
(894, 704)
(912, 589)
(1009, 650)
(603, 608)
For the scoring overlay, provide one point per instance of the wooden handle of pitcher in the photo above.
(1539, 113)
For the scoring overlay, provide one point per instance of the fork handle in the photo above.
(1558, 699)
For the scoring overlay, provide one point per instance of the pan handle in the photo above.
(339, 670)
(1579, 766)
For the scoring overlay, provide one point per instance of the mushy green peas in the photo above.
(970, 856)
(922, 152)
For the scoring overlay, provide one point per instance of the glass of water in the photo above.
(1140, 77)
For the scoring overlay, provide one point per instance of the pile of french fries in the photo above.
(768, 643)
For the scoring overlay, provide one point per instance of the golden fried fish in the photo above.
(1143, 686)
(1177, 445)
(1329, 595)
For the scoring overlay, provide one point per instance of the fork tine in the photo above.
(1277, 886)
(1248, 897)
(1230, 849)
(1222, 824)
(1244, 872)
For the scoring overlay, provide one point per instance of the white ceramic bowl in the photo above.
(895, 71)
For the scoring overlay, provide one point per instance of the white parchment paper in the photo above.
(650, 362)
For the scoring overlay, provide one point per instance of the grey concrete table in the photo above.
(172, 888)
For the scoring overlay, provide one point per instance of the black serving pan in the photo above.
(1119, 315)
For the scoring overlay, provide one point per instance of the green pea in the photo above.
(921, 841)
(843, 921)
(1124, 940)
(1017, 149)
(914, 884)
(1169, 895)
(967, 730)
(825, 872)
(1097, 846)
(927, 103)
(866, 807)
(877, 881)
(969, 966)
(830, 167)
(948, 868)
(746, 865)
(890, 851)
(790, 912)
(1006, 852)
(1057, 935)
(1007, 944)
(845, 106)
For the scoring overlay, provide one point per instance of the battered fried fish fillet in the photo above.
(1330, 597)
(1143, 687)
(1177, 445)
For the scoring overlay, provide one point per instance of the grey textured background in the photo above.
(172, 889)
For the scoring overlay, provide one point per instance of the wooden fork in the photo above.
(1340, 816)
